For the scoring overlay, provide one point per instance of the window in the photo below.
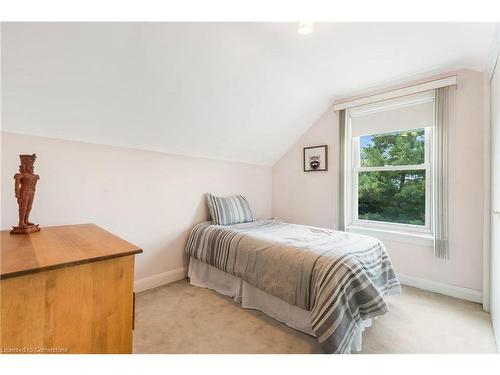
(389, 165)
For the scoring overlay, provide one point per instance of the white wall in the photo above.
(150, 199)
(310, 198)
(153, 199)
(495, 203)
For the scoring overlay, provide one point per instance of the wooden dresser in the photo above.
(66, 289)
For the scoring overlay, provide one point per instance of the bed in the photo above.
(325, 283)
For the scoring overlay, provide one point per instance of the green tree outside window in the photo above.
(392, 196)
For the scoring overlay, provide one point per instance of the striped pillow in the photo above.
(230, 210)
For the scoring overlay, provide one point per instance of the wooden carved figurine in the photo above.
(25, 184)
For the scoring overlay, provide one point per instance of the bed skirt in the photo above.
(204, 275)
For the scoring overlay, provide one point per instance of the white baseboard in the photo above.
(441, 288)
(416, 282)
(160, 279)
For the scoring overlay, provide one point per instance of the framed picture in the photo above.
(316, 158)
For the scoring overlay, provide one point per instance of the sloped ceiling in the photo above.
(233, 91)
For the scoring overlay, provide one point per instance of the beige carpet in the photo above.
(179, 318)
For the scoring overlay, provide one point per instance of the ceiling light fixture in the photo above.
(305, 28)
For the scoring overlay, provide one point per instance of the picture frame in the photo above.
(315, 158)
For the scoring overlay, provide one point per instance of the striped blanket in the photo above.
(339, 277)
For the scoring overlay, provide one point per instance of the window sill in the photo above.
(389, 235)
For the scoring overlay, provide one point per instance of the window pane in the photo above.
(399, 148)
(392, 196)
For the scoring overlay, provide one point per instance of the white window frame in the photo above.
(353, 168)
